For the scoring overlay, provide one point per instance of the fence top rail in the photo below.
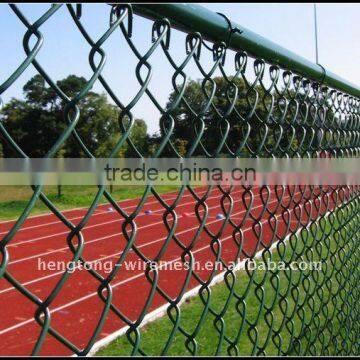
(214, 27)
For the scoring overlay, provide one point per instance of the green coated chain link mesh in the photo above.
(307, 312)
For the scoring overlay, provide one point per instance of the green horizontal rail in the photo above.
(214, 27)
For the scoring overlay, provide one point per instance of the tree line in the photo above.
(36, 121)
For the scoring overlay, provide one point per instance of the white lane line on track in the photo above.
(161, 311)
(113, 255)
(97, 239)
(80, 208)
(114, 285)
(96, 225)
(57, 221)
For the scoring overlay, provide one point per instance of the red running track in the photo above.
(77, 308)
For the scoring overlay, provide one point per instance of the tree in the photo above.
(138, 136)
(33, 128)
(250, 132)
(188, 126)
(37, 121)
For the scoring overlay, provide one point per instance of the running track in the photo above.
(76, 310)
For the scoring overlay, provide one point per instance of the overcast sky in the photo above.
(65, 51)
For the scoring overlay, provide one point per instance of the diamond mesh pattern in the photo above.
(277, 113)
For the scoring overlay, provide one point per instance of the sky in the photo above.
(66, 52)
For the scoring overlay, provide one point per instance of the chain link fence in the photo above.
(260, 109)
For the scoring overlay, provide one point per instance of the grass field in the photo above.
(13, 199)
(311, 290)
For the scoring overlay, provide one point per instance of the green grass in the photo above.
(328, 318)
(13, 199)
